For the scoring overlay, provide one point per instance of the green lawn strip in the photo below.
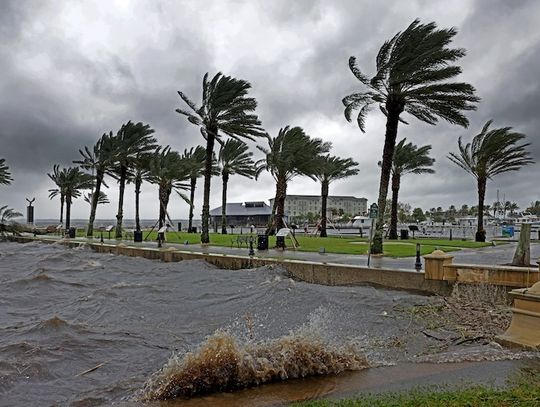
(525, 391)
(334, 244)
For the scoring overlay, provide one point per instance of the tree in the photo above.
(491, 152)
(102, 198)
(168, 172)
(225, 111)
(7, 225)
(99, 160)
(408, 159)
(292, 153)
(330, 169)
(413, 69)
(72, 181)
(194, 159)
(57, 178)
(418, 215)
(141, 168)
(234, 158)
(5, 175)
(131, 140)
(513, 207)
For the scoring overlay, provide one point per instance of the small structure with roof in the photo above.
(255, 213)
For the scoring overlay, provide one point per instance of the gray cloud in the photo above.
(73, 71)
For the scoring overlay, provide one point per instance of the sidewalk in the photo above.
(501, 254)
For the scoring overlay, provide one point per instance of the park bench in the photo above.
(240, 240)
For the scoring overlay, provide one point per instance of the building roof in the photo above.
(318, 196)
(244, 209)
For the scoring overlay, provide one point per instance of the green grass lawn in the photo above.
(524, 391)
(334, 244)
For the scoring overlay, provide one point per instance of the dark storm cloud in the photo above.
(71, 71)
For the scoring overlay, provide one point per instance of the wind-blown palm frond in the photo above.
(5, 175)
(102, 198)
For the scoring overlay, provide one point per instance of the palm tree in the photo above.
(168, 171)
(492, 152)
(6, 220)
(131, 140)
(5, 175)
(57, 178)
(195, 159)
(100, 161)
(331, 169)
(233, 158)
(140, 171)
(225, 111)
(72, 181)
(408, 159)
(102, 198)
(413, 69)
(290, 154)
(513, 208)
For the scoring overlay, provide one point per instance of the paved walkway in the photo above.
(500, 254)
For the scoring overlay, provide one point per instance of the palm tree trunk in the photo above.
(95, 196)
(120, 214)
(392, 121)
(62, 209)
(138, 183)
(272, 216)
(193, 182)
(394, 212)
(480, 232)
(210, 139)
(68, 212)
(324, 200)
(281, 194)
(224, 204)
(164, 193)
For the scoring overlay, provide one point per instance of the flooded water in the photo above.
(80, 328)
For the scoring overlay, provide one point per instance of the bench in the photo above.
(240, 240)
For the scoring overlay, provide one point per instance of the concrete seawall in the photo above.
(311, 272)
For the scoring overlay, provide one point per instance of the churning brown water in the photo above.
(83, 329)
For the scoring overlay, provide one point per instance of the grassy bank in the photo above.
(333, 244)
(524, 391)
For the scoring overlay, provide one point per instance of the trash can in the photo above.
(404, 234)
(161, 236)
(179, 226)
(280, 242)
(262, 242)
(137, 236)
(72, 232)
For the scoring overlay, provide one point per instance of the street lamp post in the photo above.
(418, 263)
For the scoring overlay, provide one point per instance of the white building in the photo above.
(301, 205)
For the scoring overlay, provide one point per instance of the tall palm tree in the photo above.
(57, 178)
(225, 111)
(5, 175)
(131, 140)
(234, 158)
(72, 181)
(331, 169)
(292, 153)
(195, 159)
(491, 152)
(413, 69)
(168, 171)
(140, 172)
(102, 198)
(99, 160)
(408, 159)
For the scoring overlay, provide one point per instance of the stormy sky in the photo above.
(71, 71)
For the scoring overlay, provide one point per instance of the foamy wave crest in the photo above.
(223, 363)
